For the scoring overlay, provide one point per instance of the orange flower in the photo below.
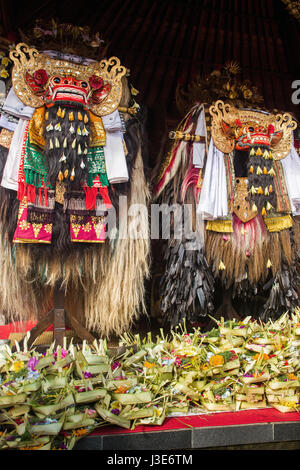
(32, 447)
(121, 390)
(79, 432)
(216, 360)
(258, 374)
(265, 357)
(292, 377)
(149, 365)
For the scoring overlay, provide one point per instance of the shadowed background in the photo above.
(163, 42)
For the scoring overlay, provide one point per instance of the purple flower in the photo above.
(87, 375)
(8, 383)
(115, 411)
(32, 363)
(115, 365)
(64, 353)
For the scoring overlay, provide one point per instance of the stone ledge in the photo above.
(196, 438)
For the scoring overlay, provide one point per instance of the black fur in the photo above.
(53, 155)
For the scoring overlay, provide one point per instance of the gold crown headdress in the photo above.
(222, 84)
(28, 61)
(222, 113)
(66, 38)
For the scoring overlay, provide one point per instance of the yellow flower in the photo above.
(216, 360)
(17, 365)
(116, 404)
(290, 404)
(4, 73)
(5, 61)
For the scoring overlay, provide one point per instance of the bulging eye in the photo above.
(84, 84)
(56, 80)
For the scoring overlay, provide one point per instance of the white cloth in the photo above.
(11, 169)
(213, 202)
(14, 106)
(115, 159)
(199, 147)
(291, 168)
(58, 55)
(7, 124)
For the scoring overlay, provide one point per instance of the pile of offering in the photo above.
(50, 400)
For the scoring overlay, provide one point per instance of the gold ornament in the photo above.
(221, 266)
(222, 112)
(28, 60)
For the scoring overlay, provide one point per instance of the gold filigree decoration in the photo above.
(36, 128)
(241, 206)
(219, 225)
(36, 229)
(87, 227)
(76, 228)
(224, 84)
(98, 225)
(28, 59)
(60, 192)
(67, 38)
(286, 124)
(6, 138)
(293, 7)
(221, 111)
(48, 228)
(276, 224)
(24, 225)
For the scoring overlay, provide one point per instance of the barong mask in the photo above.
(38, 79)
(65, 136)
(81, 114)
(70, 99)
(265, 137)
